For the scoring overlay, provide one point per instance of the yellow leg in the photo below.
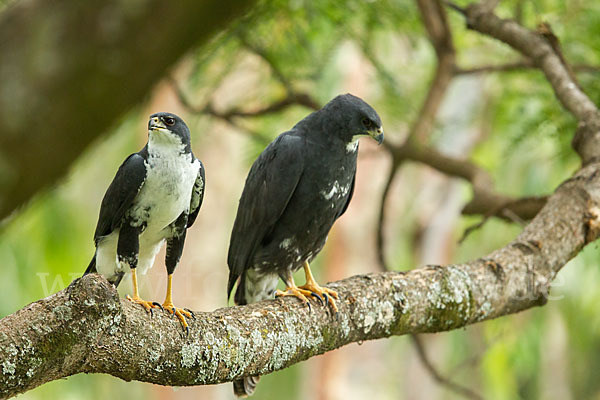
(135, 285)
(294, 291)
(168, 297)
(313, 287)
(179, 312)
(148, 305)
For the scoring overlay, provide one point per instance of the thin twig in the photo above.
(388, 77)
(510, 214)
(508, 67)
(518, 66)
(455, 7)
(302, 99)
(261, 53)
(472, 228)
(229, 116)
(439, 378)
(383, 266)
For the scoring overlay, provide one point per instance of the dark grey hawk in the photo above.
(296, 189)
(155, 196)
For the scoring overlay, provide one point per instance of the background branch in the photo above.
(518, 66)
(436, 24)
(439, 378)
(548, 58)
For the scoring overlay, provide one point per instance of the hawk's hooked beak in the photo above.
(377, 134)
(155, 124)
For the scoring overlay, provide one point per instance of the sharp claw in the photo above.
(318, 297)
(309, 306)
(154, 303)
(191, 312)
(187, 331)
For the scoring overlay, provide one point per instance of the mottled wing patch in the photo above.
(197, 195)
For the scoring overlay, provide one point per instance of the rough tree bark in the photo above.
(87, 328)
(72, 68)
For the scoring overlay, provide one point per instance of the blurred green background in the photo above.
(509, 123)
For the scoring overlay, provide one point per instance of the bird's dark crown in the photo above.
(351, 116)
(168, 121)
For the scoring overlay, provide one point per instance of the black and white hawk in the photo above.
(154, 197)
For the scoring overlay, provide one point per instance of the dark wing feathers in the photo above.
(120, 194)
(269, 186)
(197, 195)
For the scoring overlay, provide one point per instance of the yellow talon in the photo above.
(312, 287)
(148, 305)
(180, 313)
(323, 292)
(294, 291)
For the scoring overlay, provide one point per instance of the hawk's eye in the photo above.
(169, 121)
(366, 122)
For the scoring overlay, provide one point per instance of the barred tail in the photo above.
(252, 287)
(245, 387)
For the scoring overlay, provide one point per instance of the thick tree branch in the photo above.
(75, 67)
(87, 328)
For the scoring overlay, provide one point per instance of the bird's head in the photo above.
(356, 117)
(169, 128)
